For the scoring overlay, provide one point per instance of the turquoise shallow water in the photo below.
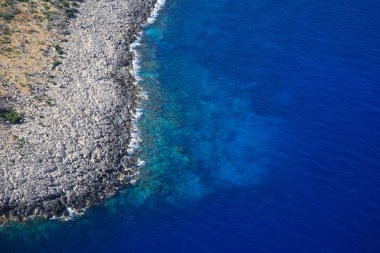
(260, 134)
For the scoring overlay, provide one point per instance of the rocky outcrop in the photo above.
(74, 152)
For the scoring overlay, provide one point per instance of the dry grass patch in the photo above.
(26, 41)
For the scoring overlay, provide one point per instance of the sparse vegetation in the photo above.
(20, 143)
(28, 44)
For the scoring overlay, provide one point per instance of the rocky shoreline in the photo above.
(76, 152)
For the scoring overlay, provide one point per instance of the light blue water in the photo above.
(261, 134)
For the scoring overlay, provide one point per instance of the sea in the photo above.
(260, 132)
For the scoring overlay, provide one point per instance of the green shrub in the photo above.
(6, 16)
(48, 102)
(11, 115)
(58, 49)
(56, 64)
(70, 13)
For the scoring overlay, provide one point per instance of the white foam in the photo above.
(153, 16)
(71, 211)
(142, 95)
(140, 162)
(135, 132)
(72, 214)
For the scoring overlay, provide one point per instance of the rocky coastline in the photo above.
(78, 151)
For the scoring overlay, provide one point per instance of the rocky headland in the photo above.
(75, 150)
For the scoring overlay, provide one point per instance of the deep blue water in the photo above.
(261, 134)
